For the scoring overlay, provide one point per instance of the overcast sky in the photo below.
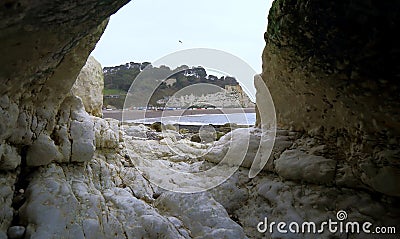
(146, 30)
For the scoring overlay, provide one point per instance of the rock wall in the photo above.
(43, 47)
(45, 44)
(331, 68)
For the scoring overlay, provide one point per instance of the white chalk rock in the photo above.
(8, 116)
(247, 147)
(82, 135)
(137, 131)
(9, 157)
(42, 151)
(297, 165)
(89, 87)
(7, 182)
(106, 132)
(89, 201)
(62, 135)
(201, 214)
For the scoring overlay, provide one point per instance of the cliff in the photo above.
(332, 72)
(171, 84)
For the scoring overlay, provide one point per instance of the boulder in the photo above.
(9, 157)
(89, 87)
(299, 166)
(106, 132)
(42, 151)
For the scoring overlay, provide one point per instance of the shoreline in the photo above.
(143, 114)
(195, 128)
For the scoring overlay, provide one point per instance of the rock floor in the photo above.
(109, 198)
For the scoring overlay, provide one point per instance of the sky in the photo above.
(147, 30)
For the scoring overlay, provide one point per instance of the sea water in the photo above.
(203, 119)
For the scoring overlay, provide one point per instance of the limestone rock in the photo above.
(73, 139)
(328, 86)
(249, 201)
(346, 177)
(83, 138)
(89, 87)
(66, 201)
(16, 232)
(44, 45)
(138, 131)
(106, 198)
(384, 179)
(321, 82)
(7, 181)
(238, 147)
(249, 148)
(106, 132)
(42, 151)
(9, 157)
(313, 84)
(8, 116)
(200, 214)
(297, 165)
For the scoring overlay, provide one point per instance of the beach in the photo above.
(141, 114)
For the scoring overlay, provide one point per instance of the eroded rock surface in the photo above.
(7, 188)
(43, 46)
(108, 197)
(330, 68)
(89, 87)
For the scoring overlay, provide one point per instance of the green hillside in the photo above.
(118, 79)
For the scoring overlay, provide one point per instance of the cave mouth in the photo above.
(130, 44)
(216, 93)
(192, 154)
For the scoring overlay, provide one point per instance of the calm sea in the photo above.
(203, 119)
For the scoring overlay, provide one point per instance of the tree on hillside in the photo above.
(144, 65)
(200, 72)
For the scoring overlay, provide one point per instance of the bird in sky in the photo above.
(180, 41)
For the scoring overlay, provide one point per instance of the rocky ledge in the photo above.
(108, 197)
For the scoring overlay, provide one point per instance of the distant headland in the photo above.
(174, 91)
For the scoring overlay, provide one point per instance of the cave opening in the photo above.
(143, 31)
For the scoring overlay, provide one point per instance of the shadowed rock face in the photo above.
(43, 47)
(36, 36)
(332, 70)
(334, 64)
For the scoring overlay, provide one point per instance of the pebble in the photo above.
(16, 232)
